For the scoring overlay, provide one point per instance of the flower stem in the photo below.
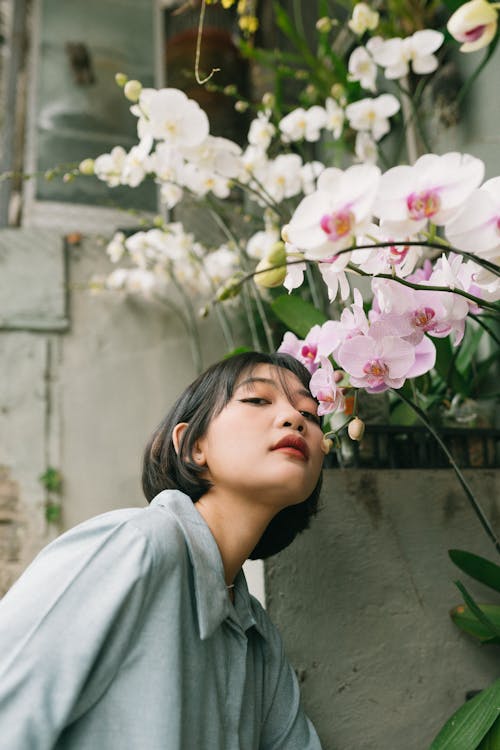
(263, 316)
(485, 326)
(198, 48)
(468, 491)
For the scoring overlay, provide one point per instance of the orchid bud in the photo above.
(132, 90)
(474, 24)
(121, 79)
(326, 445)
(230, 289)
(275, 261)
(324, 25)
(269, 278)
(356, 429)
(268, 100)
(241, 106)
(86, 167)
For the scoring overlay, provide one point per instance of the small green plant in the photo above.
(51, 479)
(476, 724)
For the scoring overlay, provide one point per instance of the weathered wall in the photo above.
(362, 601)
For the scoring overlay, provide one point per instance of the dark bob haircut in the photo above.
(203, 400)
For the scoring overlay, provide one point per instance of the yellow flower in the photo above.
(249, 24)
(228, 3)
(474, 24)
(363, 19)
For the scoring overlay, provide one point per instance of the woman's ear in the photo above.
(177, 434)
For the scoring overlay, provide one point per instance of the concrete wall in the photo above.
(362, 601)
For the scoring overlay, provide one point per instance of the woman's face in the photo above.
(266, 442)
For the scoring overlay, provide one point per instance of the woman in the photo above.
(135, 630)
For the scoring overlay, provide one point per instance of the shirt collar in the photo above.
(212, 601)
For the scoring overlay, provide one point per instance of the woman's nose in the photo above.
(294, 420)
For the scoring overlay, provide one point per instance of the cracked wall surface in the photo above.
(362, 601)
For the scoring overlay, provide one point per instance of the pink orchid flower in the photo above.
(305, 351)
(434, 189)
(324, 388)
(377, 361)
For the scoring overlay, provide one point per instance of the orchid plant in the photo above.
(391, 271)
(426, 235)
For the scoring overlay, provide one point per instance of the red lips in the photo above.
(295, 442)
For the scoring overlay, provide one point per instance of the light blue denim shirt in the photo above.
(121, 636)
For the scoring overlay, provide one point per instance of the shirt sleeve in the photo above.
(65, 627)
(286, 727)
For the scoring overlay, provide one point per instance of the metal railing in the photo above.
(400, 447)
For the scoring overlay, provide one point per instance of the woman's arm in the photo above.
(286, 727)
(65, 627)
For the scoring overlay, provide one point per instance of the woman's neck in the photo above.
(236, 525)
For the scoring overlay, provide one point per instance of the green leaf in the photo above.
(471, 723)
(403, 414)
(477, 567)
(492, 739)
(297, 314)
(468, 348)
(445, 366)
(477, 611)
(238, 350)
(465, 619)
(51, 479)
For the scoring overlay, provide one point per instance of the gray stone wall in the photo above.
(362, 601)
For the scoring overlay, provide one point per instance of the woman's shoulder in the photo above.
(156, 533)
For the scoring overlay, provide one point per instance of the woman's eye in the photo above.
(312, 417)
(254, 400)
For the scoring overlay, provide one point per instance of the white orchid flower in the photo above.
(328, 220)
(116, 247)
(108, 167)
(309, 174)
(283, 177)
(477, 227)
(335, 117)
(303, 124)
(261, 131)
(396, 55)
(372, 115)
(474, 24)
(363, 19)
(434, 189)
(365, 148)
(363, 69)
(169, 115)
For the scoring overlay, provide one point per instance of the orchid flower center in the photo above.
(325, 396)
(376, 370)
(423, 318)
(309, 352)
(337, 225)
(473, 34)
(398, 254)
(423, 205)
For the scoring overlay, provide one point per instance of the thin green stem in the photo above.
(468, 491)
(495, 307)
(194, 338)
(263, 316)
(485, 326)
(250, 319)
(313, 287)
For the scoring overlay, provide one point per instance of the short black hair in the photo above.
(164, 469)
